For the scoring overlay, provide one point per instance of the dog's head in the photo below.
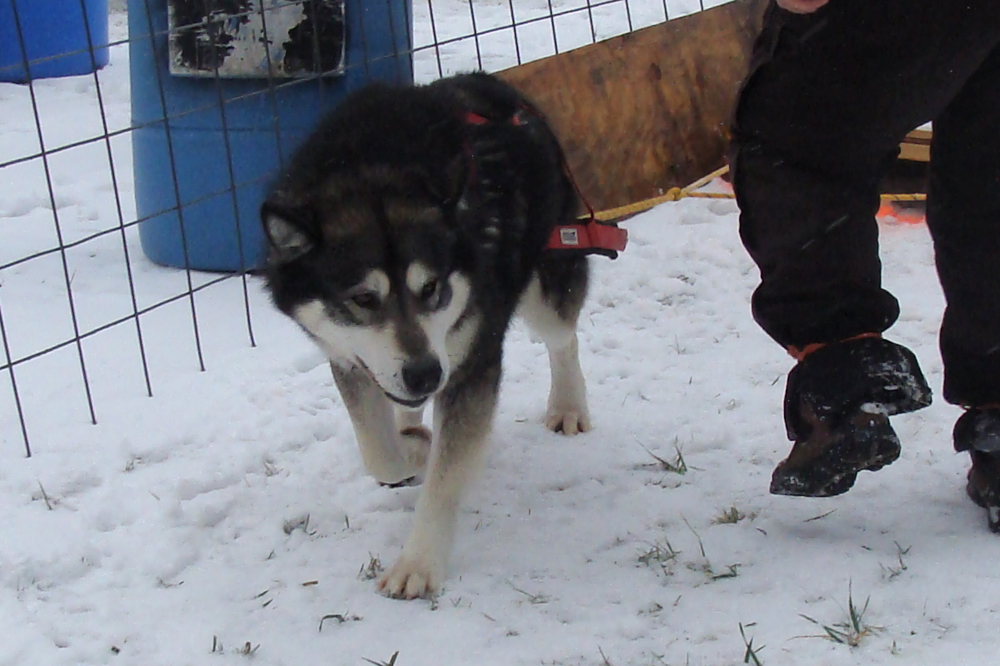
(367, 270)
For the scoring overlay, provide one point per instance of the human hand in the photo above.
(801, 6)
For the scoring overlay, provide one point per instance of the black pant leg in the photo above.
(817, 125)
(963, 215)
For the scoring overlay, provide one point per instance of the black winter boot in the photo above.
(838, 401)
(978, 432)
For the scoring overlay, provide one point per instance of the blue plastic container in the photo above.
(55, 38)
(203, 166)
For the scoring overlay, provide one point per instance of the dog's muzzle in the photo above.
(413, 374)
(422, 376)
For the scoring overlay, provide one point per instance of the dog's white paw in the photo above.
(568, 421)
(412, 577)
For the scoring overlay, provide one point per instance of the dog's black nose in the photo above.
(422, 376)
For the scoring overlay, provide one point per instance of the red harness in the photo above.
(588, 236)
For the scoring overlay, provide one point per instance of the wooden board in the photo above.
(650, 110)
(917, 146)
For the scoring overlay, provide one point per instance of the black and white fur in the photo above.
(402, 239)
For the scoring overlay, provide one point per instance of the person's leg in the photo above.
(963, 215)
(817, 125)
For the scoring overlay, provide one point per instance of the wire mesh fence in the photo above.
(90, 308)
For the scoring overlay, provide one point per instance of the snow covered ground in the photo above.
(226, 520)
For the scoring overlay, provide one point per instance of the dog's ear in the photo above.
(289, 230)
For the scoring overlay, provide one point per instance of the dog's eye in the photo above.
(429, 290)
(366, 300)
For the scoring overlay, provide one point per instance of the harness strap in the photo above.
(474, 118)
(590, 237)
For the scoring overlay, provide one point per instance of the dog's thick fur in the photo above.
(403, 237)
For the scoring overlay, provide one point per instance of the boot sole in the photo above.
(865, 443)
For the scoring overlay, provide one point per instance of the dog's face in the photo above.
(372, 281)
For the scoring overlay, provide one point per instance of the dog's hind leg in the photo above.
(391, 452)
(463, 415)
(551, 309)
(567, 410)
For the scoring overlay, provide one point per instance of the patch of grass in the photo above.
(166, 585)
(340, 618)
(851, 631)
(300, 523)
(659, 554)
(247, 649)
(391, 662)
(730, 516)
(49, 501)
(892, 571)
(731, 571)
(267, 602)
(750, 655)
(675, 466)
(372, 570)
(819, 517)
(678, 348)
(533, 599)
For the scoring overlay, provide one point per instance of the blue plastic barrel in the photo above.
(54, 35)
(206, 149)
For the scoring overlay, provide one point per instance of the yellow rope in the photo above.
(678, 193)
(904, 197)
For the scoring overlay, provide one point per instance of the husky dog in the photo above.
(403, 236)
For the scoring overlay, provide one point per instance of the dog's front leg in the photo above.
(389, 455)
(463, 416)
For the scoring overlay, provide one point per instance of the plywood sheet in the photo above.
(646, 111)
